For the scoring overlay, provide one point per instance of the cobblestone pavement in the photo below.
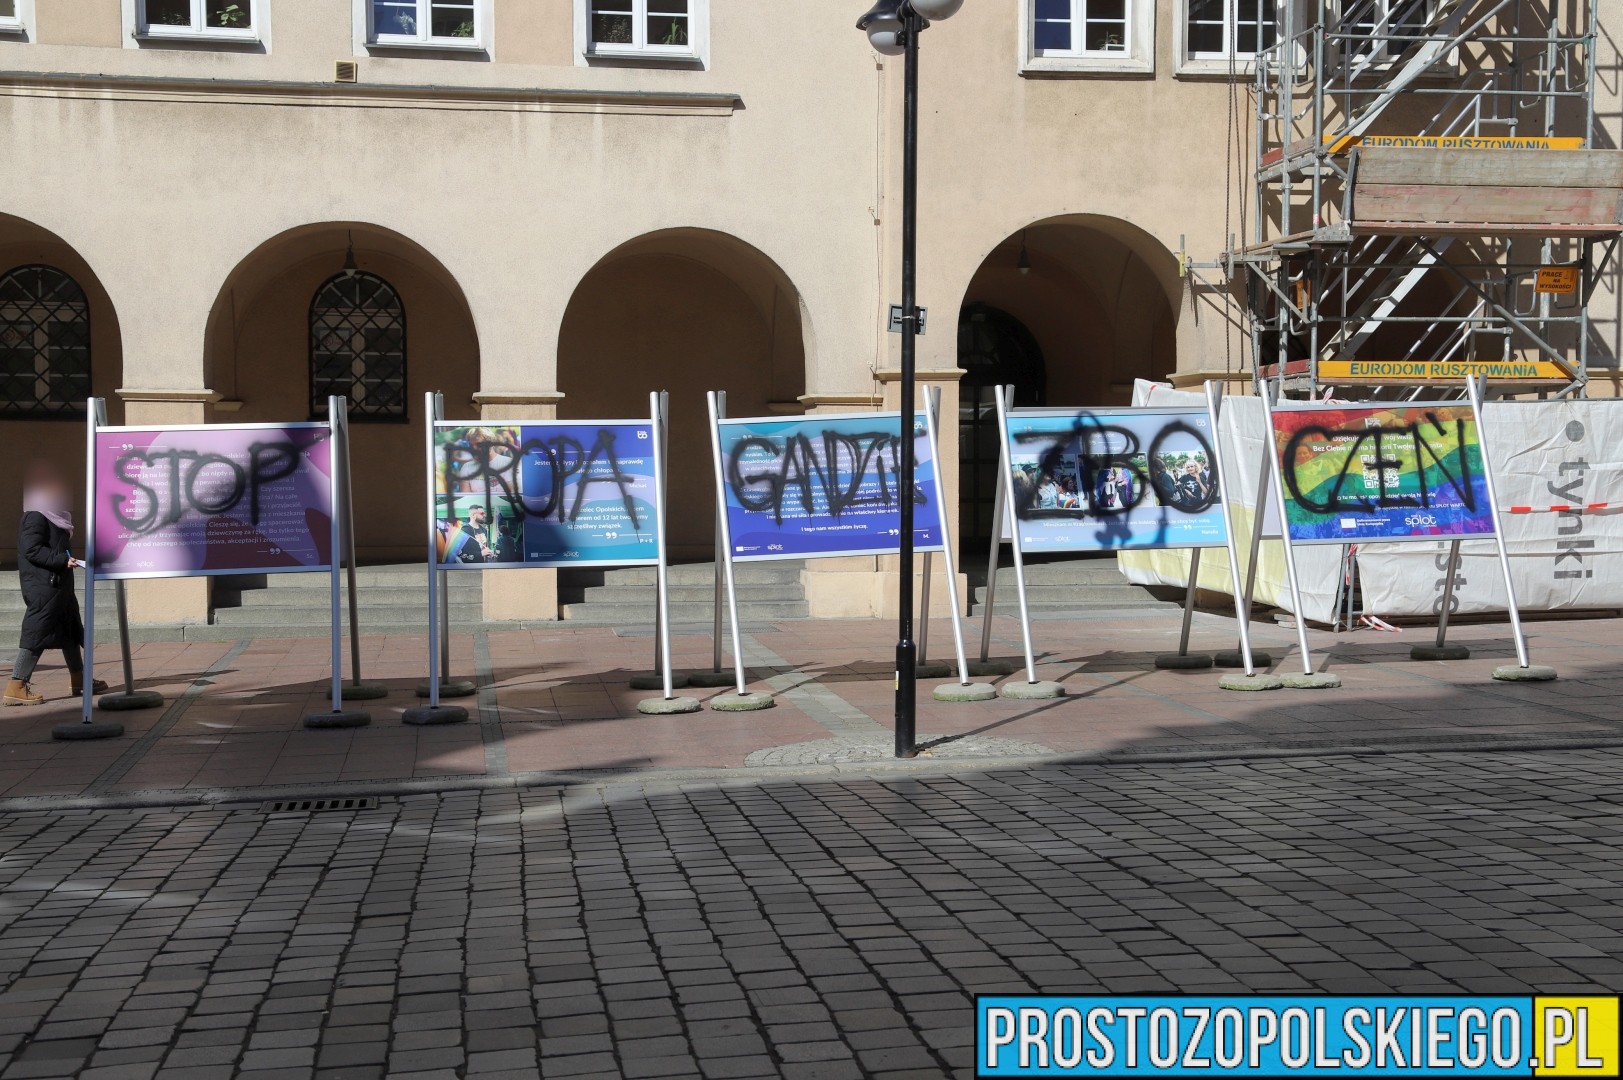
(555, 703)
(811, 927)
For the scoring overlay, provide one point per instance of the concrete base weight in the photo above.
(991, 669)
(1530, 673)
(1235, 658)
(345, 719)
(1318, 680)
(975, 691)
(741, 702)
(1041, 690)
(711, 679)
(1250, 683)
(1183, 661)
(431, 715)
(673, 706)
(1439, 652)
(654, 680)
(133, 701)
(80, 732)
(451, 688)
(933, 669)
(364, 691)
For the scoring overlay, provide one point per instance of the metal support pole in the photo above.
(721, 555)
(1189, 602)
(1342, 591)
(335, 406)
(1000, 493)
(659, 411)
(347, 505)
(932, 418)
(95, 414)
(445, 622)
(1474, 386)
(726, 540)
(1005, 402)
(123, 635)
(1228, 490)
(924, 607)
(906, 654)
(1448, 588)
(436, 670)
(1285, 539)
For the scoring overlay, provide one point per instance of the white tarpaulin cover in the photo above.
(1244, 436)
(1544, 454)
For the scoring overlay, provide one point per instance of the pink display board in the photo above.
(214, 499)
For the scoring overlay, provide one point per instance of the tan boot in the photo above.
(20, 693)
(76, 679)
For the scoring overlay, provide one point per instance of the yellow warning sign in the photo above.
(1340, 144)
(1348, 371)
(1557, 279)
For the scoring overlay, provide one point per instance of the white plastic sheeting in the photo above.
(1544, 454)
(1244, 436)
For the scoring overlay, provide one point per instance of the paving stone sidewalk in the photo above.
(758, 927)
(556, 703)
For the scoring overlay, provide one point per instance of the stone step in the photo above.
(1080, 573)
(374, 596)
(408, 618)
(1115, 592)
(619, 614)
(687, 594)
(746, 573)
(403, 576)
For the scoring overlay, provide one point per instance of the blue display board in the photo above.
(1105, 479)
(547, 494)
(821, 486)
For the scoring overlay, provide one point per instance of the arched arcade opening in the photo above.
(364, 312)
(688, 311)
(1069, 310)
(59, 346)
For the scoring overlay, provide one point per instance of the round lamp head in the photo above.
(935, 10)
(886, 39)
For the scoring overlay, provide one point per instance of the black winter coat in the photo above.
(53, 620)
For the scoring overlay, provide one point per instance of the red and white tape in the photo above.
(1562, 508)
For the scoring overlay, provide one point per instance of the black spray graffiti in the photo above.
(836, 464)
(1098, 448)
(1367, 451)
(206, 484)
(493, 468)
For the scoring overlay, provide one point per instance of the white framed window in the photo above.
(1215, 35)
(16, 17)
(1088, 36)
(199, 20)
(1376, 32)
(430, 24)
(673, 30)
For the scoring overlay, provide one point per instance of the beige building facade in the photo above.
(556, 206)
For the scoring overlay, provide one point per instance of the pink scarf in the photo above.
(52, 505)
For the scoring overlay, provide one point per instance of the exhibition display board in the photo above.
(1107, 479)
(825, 486)
(544, 494)
(1402, 473)
(209, 499)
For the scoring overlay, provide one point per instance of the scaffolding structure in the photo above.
(1427, 196)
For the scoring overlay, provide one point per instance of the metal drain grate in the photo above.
(316, 806)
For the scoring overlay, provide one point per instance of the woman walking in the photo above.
(46, 569)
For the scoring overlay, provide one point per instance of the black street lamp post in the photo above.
(893, 27)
